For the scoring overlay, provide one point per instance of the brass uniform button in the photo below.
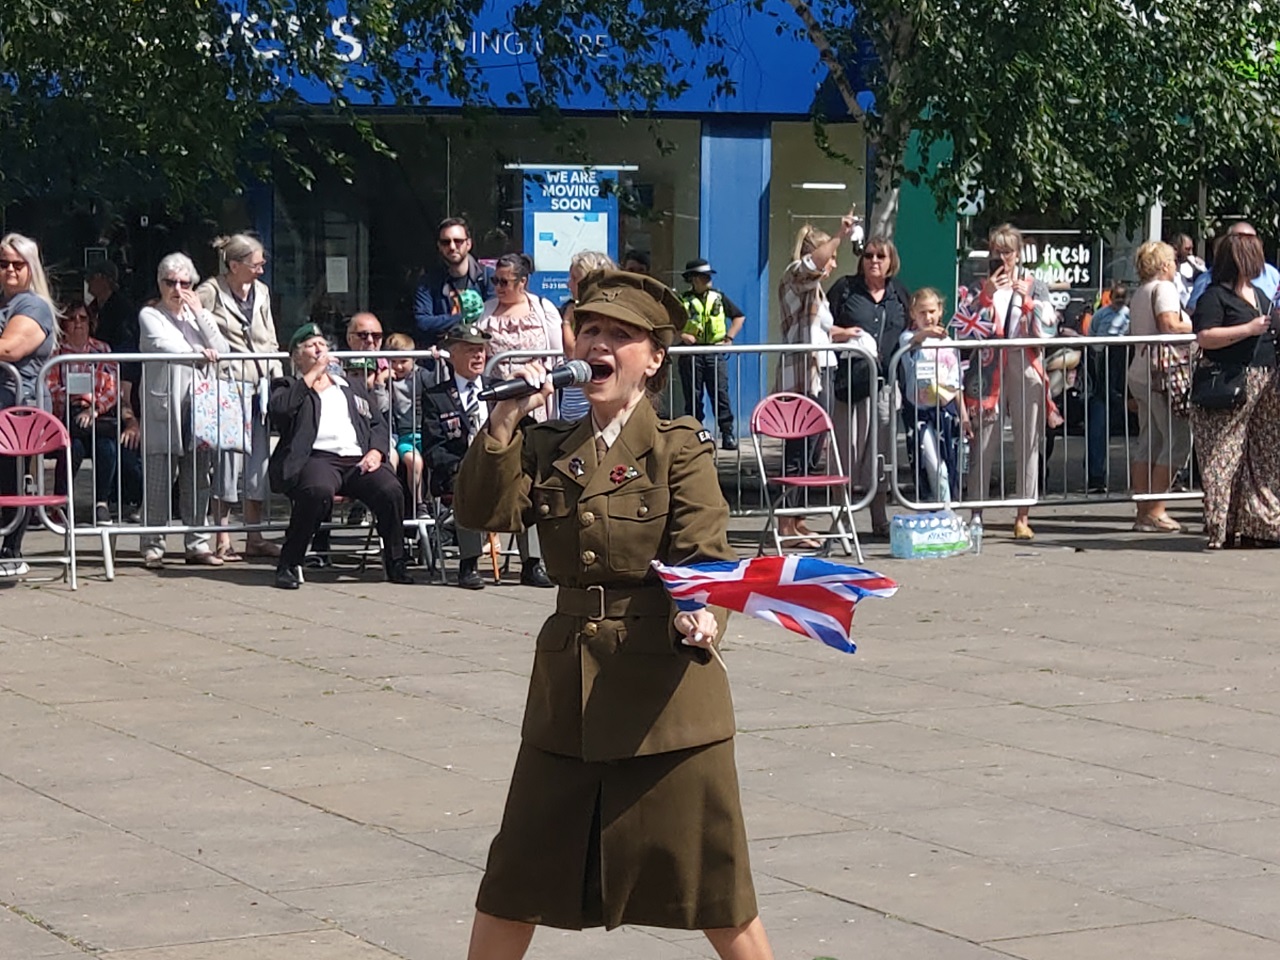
(588, 557)
(590, 629)
(643, 511)
(544, 509)
(588, 518)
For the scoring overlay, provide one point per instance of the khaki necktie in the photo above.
(602, 451)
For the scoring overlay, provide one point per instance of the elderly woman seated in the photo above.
(331, 443)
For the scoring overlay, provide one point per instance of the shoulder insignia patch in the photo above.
(704, 436)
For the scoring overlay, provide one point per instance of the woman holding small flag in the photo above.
(623, 806)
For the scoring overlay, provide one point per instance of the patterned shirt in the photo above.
(806, 318)
(105, 378)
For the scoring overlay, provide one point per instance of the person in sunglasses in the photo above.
(437, 305)
(28, 336)
(515, 319)
(178, 323)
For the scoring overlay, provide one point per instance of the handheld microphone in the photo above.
(571, 374)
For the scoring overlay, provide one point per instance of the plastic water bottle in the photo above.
(975, 535)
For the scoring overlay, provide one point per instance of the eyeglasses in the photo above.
(367, 335)
(171, 283)
(507, 281)
(254, 266)
(452, 241)
(77, 318)
(17, 266)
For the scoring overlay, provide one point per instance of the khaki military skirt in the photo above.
(656, 841)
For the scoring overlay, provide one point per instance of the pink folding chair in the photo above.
(790, 416)
(29, 432)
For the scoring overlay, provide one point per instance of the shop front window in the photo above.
(362, 245)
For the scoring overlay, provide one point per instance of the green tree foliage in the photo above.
(169, 99)
(1093, 108)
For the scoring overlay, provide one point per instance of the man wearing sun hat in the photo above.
(713, 319)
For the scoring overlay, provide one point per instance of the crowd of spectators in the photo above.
(133, 420)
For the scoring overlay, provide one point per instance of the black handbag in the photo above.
(1218, 386)
(1221, 386)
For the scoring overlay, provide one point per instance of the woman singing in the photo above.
(623, 806)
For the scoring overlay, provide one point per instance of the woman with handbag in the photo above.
(875, 307)
(1158, 380)
(241, 304)
(178, 323)
(1235, 405)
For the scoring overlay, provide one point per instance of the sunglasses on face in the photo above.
(451, 241)
(180, 284)
(876, 255)
(368, 335)
(77, 318)
(15, 265)
(507, 281)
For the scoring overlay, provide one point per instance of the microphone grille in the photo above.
(581, 371)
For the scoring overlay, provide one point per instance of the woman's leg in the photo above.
(747, 942)
(493, 938)
(1220, 440)
(1025, 395)
(195, 474)
(157, 504)
(1141, 483)
(224, 495)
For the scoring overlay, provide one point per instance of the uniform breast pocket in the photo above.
(550, 506)
(637, 523)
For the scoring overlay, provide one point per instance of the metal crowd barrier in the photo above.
(745, 491)
(141, 470)
(1089, 384)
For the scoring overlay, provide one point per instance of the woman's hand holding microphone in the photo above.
(506, 415)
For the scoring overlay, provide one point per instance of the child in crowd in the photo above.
(408, 381)
(933, 400)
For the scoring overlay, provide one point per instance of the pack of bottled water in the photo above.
(933, 533)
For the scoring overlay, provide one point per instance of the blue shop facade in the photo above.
(730, 179)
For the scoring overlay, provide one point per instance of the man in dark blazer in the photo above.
(452, 415)
(332, 442)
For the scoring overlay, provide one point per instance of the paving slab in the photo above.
(1059, 750)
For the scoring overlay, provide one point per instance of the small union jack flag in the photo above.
(968, 324)
(803, 594)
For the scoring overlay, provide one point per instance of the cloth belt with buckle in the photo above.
(599, 602)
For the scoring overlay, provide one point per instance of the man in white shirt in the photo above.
(452, 415)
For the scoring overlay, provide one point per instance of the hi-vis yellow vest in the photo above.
(707, 322)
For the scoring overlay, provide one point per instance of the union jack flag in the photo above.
(803, 594)
(968, 324)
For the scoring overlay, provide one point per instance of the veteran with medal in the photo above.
(623, 806)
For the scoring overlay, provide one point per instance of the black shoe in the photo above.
(398, 571)
(728, 442)
(287, 578)
(357, 516)
(534, 575)
(468, 578)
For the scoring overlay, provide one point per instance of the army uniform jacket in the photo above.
(608, 688)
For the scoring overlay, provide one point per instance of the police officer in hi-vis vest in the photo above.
(713, 318)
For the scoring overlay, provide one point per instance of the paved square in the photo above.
(1054, 751)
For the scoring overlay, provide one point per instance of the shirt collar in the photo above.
(610, 432)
